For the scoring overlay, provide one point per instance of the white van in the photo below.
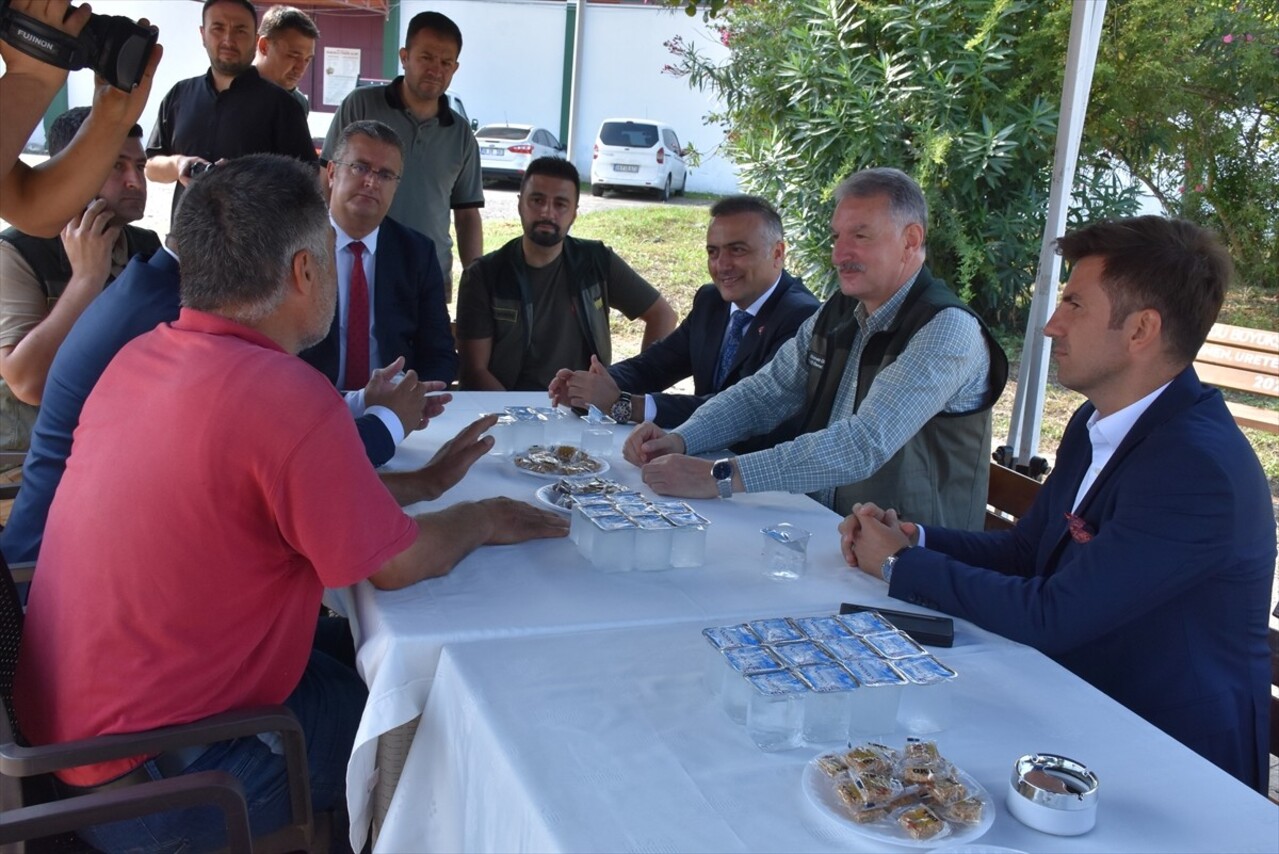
(638, 154)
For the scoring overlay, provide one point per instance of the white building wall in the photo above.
(512, 68)
(512, 58)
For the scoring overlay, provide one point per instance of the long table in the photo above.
(610, 741)
(546, 587)
(533, 603)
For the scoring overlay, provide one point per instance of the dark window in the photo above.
(630, 134)
(502, 132)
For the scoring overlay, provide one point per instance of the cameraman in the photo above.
(41, 200)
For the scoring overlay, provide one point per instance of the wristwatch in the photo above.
(886, 569)
(621, 411)
(722, 471)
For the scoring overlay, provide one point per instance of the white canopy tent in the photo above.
(1028, 409)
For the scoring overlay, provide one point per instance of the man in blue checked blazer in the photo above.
(1146, 562)
(734, 328)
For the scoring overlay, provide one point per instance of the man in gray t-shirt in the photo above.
(441, 158)
(542, 301)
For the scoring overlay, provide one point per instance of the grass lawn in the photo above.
(665, 245)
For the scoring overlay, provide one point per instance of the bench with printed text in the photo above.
(1243, 359)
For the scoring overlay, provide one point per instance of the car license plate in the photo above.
(625, 167)
(492, 152)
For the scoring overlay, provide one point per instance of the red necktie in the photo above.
(357, 323)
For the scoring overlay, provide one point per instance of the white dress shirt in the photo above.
(650, 404)
(345, 263)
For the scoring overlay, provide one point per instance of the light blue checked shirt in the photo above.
(944, 368)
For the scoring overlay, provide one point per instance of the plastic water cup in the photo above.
(688, 546)
(927, 708)
(827, 717)
(597, 442)
(713, 667)
(529, 433)
(561, 427)
(585, 536)
(653, 546)
(613, 550)
(583, 516)
(773, 721)
(785, 552)
(734, 692)
(874, 711)
(504, 436)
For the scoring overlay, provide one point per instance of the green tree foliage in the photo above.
(816, 89)
(709, 8)
(1186, 97)
(963, 94)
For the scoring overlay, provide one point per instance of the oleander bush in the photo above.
(964, 95)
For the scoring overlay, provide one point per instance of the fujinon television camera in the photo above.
(115, 47)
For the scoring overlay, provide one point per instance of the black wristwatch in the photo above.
(621, 410)
(722, 471)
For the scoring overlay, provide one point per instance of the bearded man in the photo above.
(541, 302)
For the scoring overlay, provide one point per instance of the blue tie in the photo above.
(736, 326)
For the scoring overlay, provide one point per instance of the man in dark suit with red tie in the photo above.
(390, 290)
(736, 324)
(1145, 564)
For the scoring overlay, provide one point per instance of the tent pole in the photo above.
(1081, 58)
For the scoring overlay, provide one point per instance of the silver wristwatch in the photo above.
(886, 568)
(722, 471)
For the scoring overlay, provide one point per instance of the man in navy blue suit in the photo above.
(736, 324)
(389, 281)
(1146, 562)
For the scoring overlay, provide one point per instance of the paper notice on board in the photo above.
(341, 71)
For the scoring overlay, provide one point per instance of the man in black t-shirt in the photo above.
(541, 302)
(227, 112)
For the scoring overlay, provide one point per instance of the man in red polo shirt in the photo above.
(217, 487)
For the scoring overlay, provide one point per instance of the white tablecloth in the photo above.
(547, 587)
(610, 741)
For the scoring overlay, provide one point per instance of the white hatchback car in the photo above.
(507, 150)
(319, 121)
(638, 154)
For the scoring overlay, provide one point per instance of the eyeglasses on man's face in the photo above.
(363, 170)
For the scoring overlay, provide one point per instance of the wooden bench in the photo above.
(1274, 684)
(1008, 497)
(1243, 359)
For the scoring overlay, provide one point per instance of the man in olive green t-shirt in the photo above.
(541, 302)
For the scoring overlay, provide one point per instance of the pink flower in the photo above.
(1199, 188)
(1248, 37)
(724, 37)
(1228, 38)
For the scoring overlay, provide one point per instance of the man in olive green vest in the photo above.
(541, 302)
(894, 378)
